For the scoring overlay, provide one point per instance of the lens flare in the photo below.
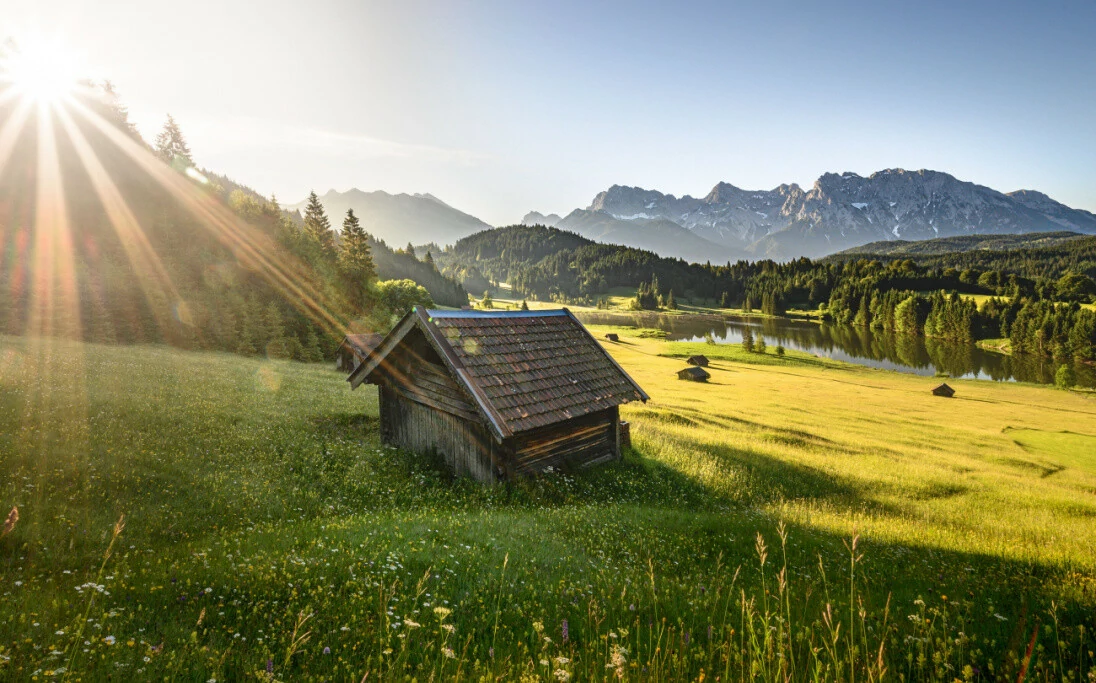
(41, 70)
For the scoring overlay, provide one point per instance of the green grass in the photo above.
(264, 522)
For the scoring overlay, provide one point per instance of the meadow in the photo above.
(208, 517)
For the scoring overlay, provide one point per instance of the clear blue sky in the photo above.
(503, 107)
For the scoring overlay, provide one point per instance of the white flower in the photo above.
(109, 640)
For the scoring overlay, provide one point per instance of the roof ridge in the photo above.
(446, 313)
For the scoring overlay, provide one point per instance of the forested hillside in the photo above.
(1049, 255)
(107, 238)
(1040, 313)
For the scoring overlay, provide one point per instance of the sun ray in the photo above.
(159, 290)
(54, 312)
(11, 129)
(251, 246)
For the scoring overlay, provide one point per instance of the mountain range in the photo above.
(838, 212)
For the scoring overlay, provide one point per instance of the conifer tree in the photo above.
(171, 145)
(670, 303)
(524, 305)
(747, 340)
(355, 258)
(316, 224)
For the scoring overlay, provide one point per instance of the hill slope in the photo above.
(400, 218)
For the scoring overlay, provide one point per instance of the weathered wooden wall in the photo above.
(465, 445)
(579, 442)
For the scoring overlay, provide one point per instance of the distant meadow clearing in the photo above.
(203, 516)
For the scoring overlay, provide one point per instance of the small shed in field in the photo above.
(613, 337)
(943, 390)
(353, 349)
(498, 394)
(701, 361)
(694, 374)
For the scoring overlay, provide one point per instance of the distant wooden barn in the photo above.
(943, 390)
(353, 349)
(613, 337)
(498, 394)
(695, 374)
(701, 361)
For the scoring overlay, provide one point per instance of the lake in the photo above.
(876, 349)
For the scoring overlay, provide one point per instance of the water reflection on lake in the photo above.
(878, 349)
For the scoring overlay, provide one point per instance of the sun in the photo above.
(40, 70)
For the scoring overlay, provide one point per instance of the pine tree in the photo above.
(316, 224)
(724, 300)
(356, 259)
(410, 250)
(429, 260)
(670, 303)
(524, 306)
(747, 340)
(171, 146)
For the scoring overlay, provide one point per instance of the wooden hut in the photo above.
(694, 374)
(498, 394)
(943, 390)
(353, 350)
(613, 337)
(701, 361)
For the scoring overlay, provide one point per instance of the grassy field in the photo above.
(267, 533)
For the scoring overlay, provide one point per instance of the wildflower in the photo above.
(109, 640)
(327, 650)
(562, 674)
(544, 662)
(442, 612)
(449, 627)
(448, 652)
(562, 661)
(538, 626)
(270, 666)
(618, 658)
(566, 631)
(411, 624)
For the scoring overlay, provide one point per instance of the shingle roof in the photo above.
(525, 369)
